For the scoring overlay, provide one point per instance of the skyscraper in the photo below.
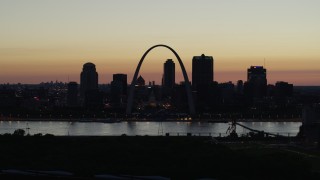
(88, 79)
(202, 71)
(256, 85)
(122, 78)
(169, 74)
(283, 93)
(118, 88)
(202, 80)
(72, 95)
(257, 73)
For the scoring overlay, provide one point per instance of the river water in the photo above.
(143, 128)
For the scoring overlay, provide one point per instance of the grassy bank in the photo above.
(175, 157)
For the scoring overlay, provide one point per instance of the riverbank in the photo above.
(161, 156)
(132, 128)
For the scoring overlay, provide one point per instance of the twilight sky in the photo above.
(51, 40)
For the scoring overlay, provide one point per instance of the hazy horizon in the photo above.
(50, 40)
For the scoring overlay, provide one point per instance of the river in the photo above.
(143, 128)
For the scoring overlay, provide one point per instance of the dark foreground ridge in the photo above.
(144, 157)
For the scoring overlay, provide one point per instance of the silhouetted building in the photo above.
(310, 128)
(7, 98)
(72, 94)
(179, 97)
(169, 74)
(256, 85)
(226, 92)
(271, 90)
(240, 87)
(88, 79)
(283, 93)
(152, 102)
(257, 73)
(34, 98)
(284, 89)
(94, 99)
(202, 79)
(123, 79)
(141, 81)
(118, 89)
(202, 71)
(152, 83)
(39, 92)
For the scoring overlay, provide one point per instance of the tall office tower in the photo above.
(72, 95)
(227, 92)
(256, 86)
(169, 74)
(202, 81)
(88, 79)
(283, 92)
(118, 89)
(122, 78)
(257, 73)
(202, 71)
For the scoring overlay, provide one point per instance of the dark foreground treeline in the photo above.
(172, 157)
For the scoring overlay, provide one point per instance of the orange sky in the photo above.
(44, 41)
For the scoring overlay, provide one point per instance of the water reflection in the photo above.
(142, 128)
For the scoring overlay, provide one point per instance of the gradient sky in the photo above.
(51, 40)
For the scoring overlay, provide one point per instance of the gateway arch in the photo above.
(185, 76)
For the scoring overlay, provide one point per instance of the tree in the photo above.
(19, 132)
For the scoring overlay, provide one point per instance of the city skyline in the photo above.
(44, 41)
(170, 89)
(149, 81)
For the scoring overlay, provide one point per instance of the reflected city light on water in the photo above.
(143, 128)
